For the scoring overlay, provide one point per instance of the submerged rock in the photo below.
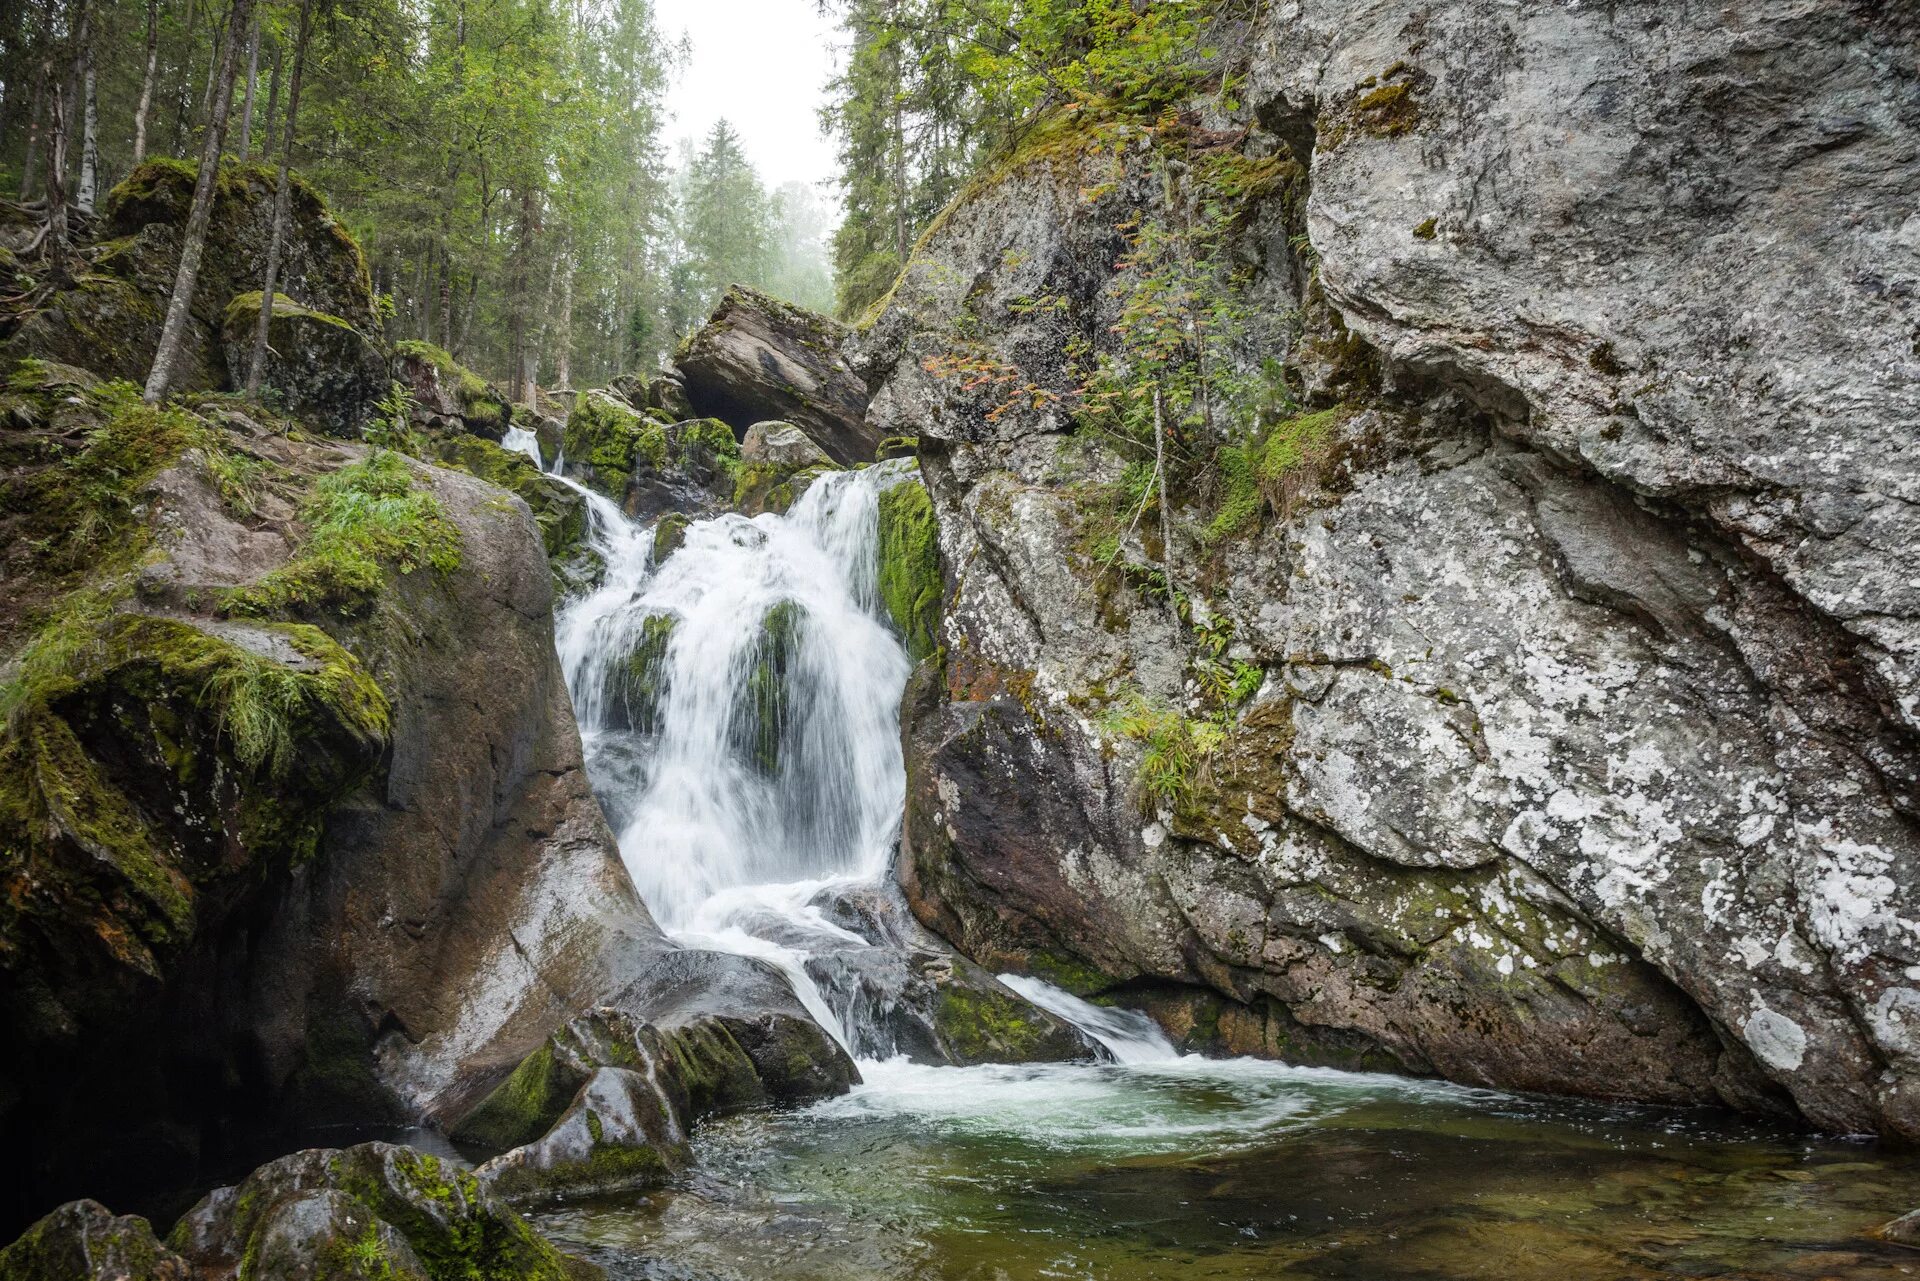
(759, 359)
(907, 992)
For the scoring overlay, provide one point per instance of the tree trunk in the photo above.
(273, 103)
(193, 242)
(183, 104)
(57, 237)
(563, 335)
(282, 203)
(36, 111)
(89, 137)
(253, 85)
(146, 82)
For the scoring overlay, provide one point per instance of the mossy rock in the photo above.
(669, 534)
(637, 684)
(321, 264)
(325, 371)
(558, 510)
(983, 1022)
(910, 582)
(760, 717)
(605, 441)
(527, 1104)
(83, 1241)
(389, 1209)
(444, 389)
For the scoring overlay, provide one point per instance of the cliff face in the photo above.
(1551, 722)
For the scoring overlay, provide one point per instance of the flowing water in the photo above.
(738, 704)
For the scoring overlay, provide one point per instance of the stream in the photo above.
(748, 759)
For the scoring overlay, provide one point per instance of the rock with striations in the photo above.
(760, 359)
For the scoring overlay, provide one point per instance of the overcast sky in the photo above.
(762, 64)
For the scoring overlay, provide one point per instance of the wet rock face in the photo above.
(760, 359)
(1582, 754)
(609, 1102)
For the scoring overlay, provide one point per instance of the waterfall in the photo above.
(1128, 1035)
(738, 704)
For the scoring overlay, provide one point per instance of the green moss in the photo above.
(244, 310)
(909, 571)
(767, 704)
(1271, 471)
(1427, 230)
(704, 439)
(716, 1072)
(641, 681)
(896, 447)
(1387, 111)
(981, 1025)
(363, 521)
(526, 1105)
(84, 507)
(668, 535)
(612, 441)
(558, 511)
(481, 404)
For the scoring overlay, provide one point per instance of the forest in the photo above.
(503, 164)
(1249, 639)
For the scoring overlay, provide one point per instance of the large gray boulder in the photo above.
(759, 359)
(1578, 750)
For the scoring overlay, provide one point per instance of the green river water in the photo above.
(1193, 1169)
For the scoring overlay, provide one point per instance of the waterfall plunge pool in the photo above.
(735, 800)
(1192, 1168)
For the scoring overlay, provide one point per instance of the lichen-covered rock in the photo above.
(759, 359)
(324, 369)
(83, 1241)
(1555, 729)
(448, 396)
(376, 1211)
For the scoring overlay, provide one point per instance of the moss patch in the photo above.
(363, 521)
(909, 571)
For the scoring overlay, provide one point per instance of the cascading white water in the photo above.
(738, 703)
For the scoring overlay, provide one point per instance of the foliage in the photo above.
(1176, 749)
(934, 88)
(362, 521)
